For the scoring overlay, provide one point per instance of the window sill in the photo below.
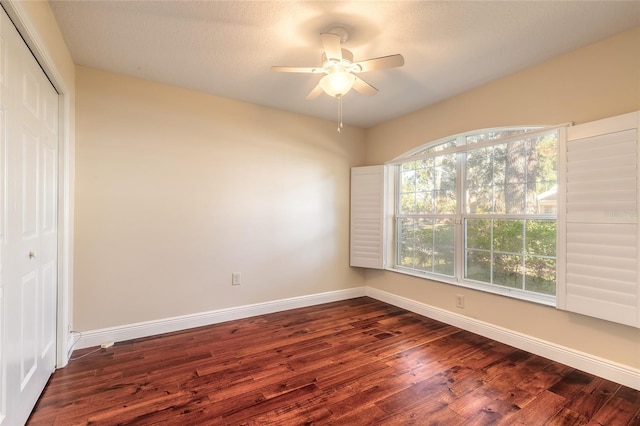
(513, 293)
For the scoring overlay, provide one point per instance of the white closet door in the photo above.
(602, 234)
(29, 140)
(367, 212)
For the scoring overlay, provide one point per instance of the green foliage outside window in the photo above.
(513, 253)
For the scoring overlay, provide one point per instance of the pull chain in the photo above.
(340, 126)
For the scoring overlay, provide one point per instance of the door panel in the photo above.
(27, 326)
(29, 186)
(48, 221)
(30, 93)
(47, 329)
(28, 250)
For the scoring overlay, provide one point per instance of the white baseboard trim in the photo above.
(167, 325)
(601, 367)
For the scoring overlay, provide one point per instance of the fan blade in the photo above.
(331, 45)
(314, 93)
(391, 61)
(363, 87)
(297, 69)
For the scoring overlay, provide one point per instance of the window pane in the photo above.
(479, 234)
(480, 200)
(445, 175)
(515, 174)
(424, 245)
(514, 197)
(544, 152)
(405, 241)
(507, 270)
(499, 164)
(424, 202)
(542, 175)
(541, 275)
(443, 241)
(444, 183)
(445, 202)
(424, 179)
(410, 165)
(479, 168)
(408, 181)
(443, 262)
(478, 266)
(443, 233)
(425, 164)
(478, 191)
(546, 198)
(405, 253)
(541, 237)
(508, 235)
(407, 203)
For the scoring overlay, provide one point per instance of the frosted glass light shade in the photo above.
(337, 83)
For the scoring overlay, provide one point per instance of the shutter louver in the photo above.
(367, 209)
(602, 271)
(601, 221)
(601, 178)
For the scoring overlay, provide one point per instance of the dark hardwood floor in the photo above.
(355, 362)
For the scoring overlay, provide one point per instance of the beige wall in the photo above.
(176, 190)
(594, 82)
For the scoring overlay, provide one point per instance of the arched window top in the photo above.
(468, 138)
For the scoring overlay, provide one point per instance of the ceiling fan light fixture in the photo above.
(337, 83)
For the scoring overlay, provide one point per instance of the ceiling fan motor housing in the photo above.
(346, 63)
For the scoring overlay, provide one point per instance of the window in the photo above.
(479, 209)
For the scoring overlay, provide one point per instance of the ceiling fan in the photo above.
(340, 70)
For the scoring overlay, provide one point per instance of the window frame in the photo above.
(459, 218)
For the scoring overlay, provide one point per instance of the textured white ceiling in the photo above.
(226, 48)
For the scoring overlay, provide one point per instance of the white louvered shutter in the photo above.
(367, 209)
(602, 235)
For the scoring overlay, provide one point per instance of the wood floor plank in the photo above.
(353, 362)
(539, 411)
(567, 417)
(617, 412)
(357, 416)
(283, 403)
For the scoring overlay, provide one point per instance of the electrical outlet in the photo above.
(460, 301)
(235, 278)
